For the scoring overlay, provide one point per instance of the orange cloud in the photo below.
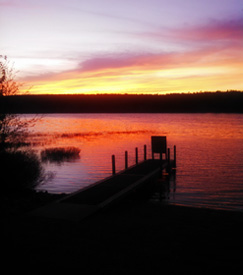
(215, 64)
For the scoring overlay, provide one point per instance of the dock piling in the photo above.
(168, 155)
(126, 160)
(136, 153)
(174, 156)
(168, 159)
(145, 152)
(161, 160)
(113, 165)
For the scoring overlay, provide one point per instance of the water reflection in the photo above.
(209, 151)
(164, 188)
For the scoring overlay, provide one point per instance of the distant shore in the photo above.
(206, 102)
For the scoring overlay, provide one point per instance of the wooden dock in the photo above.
(91, 199)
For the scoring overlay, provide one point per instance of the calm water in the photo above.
(209, 152)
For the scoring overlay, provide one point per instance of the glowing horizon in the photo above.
(143, 47)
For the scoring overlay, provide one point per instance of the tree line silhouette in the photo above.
(203, 102)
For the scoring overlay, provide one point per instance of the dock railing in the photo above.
(158, 146)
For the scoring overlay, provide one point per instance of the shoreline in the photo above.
(15, 205)
(207, 207)
(130, 237)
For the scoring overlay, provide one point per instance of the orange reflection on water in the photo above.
(209, 150)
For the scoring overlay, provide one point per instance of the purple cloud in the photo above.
(229, 30)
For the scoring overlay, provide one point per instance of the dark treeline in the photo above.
(213, 102)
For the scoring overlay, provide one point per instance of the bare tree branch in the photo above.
(13, 128)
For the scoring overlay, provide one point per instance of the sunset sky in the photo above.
(124, 46)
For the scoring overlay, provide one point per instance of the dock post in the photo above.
(168, 159)
(174, 156)
(113, 165)
(126, 160)
(145, 152)
(136, 153)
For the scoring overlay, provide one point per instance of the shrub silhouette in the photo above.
(21, 170)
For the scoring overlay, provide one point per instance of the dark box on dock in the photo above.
(159, 144)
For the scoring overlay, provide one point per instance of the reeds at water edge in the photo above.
(60, 154)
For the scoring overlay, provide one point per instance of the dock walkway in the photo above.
(87, 201)
(93, 198)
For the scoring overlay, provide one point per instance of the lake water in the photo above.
(209, 152)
